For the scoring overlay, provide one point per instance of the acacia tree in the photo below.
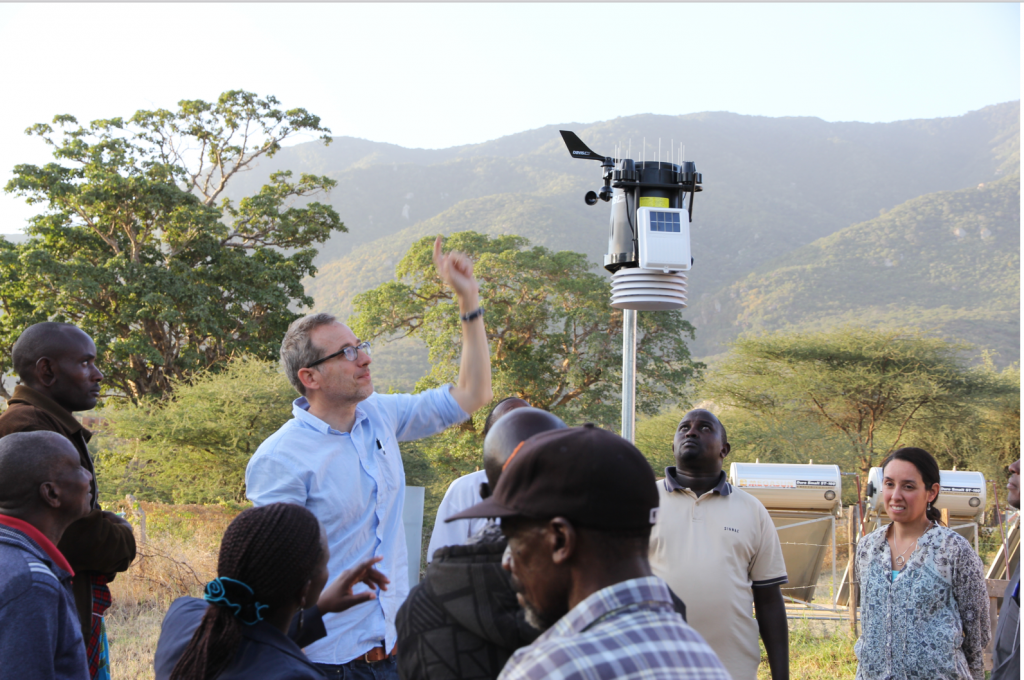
(138, 246)
(554, 339)
(984, 438)
(872, 387)
(193, 446)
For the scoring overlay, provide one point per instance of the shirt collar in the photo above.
(39, 539)
(649, 590)
(300, 411)
(722, 488)
(26, 394)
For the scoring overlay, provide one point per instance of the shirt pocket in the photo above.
(389, 462)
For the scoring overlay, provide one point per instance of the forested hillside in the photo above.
(771, 187)
(947, 262)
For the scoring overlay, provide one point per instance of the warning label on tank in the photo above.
(961, 489)
(815, 482)
(767, 483)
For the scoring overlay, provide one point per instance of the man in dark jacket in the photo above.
(463, 622)
(1006, 646)
(45, 489)
(56, 366)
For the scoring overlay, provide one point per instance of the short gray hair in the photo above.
(28, 459)
(297, 349)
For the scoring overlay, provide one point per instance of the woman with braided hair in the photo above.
(254, 621)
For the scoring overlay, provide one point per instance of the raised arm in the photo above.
(337, 597)
(474, 385)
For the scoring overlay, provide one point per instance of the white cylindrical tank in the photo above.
(962, 492)
(783, 486)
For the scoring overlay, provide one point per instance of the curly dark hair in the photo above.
(273, 549)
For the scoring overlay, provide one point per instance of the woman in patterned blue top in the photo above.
(923, 598)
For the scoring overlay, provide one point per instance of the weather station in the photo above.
(648, 242)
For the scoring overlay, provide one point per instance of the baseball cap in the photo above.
(592, 477)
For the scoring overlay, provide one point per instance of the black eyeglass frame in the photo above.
(351, 353)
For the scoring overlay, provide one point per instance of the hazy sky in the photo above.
(437, 75)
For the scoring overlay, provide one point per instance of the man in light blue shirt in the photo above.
(339, 458)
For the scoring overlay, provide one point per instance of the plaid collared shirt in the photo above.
(626, 631)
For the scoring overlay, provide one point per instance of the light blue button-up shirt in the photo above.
(355, 484)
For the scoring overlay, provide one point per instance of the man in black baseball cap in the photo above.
(577, 507)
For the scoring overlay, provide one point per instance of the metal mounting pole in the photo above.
(628, 374)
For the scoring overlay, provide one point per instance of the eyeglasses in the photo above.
(351, 353)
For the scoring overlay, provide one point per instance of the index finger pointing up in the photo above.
(437, 251)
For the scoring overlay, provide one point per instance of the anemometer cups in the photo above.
(648, 290)
(591, 197)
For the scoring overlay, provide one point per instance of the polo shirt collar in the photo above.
(300, 411)
(26, 394)
(722, 488)
(39, 539)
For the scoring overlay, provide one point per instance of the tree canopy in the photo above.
(138, 246)
(554, 338)
(873, 389)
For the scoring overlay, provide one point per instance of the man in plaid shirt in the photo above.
(577, 507)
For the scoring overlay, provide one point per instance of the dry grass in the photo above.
(177, 558)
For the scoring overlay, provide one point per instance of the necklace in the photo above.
(899, 558)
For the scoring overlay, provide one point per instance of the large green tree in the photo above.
(875, 389)
(137, 245)
(554, 339)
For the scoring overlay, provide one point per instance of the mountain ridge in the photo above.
(771, 187)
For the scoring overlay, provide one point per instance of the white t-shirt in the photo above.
(711, 550)
(462, 494)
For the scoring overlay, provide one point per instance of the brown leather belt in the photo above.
(376, 654)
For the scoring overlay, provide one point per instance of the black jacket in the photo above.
(264, 653)
(463, 621)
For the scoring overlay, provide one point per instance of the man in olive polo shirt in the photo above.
(717, 548)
